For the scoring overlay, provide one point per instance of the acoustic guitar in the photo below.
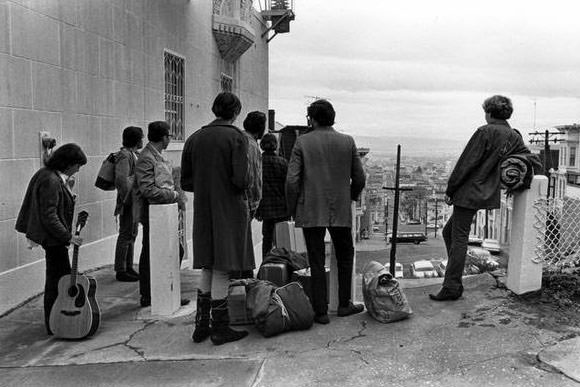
(75, 313)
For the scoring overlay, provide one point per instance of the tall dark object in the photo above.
(271, 120)
(397, 190)
(395, 213)
(547, 159)
(436, 218)
(426, 214)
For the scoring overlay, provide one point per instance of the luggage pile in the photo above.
(278, 301)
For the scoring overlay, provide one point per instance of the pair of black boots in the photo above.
(217, 311)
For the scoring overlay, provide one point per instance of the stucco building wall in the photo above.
(85, 69)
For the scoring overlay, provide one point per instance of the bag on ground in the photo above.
(384, 298)
(106, 176)
(276, 310)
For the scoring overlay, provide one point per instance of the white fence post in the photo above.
(523, 274)
(164, 259)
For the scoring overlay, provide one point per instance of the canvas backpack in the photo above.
(106, 176)
(384, 298)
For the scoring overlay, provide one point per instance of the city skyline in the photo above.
(423, 69)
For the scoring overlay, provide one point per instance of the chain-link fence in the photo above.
(557, 222)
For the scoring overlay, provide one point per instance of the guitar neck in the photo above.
(75, 262)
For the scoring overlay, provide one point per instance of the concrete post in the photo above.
(164, 258)
(523, 274)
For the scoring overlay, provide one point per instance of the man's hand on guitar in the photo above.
(76, 240)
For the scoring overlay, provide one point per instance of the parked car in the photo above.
(376, 229)
(492, 245)
(408, 237)
(414, 221)
(423, 269)
(398, 269)
(468, 269)
(481, 258)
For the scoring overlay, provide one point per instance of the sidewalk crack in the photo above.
(140, 352)
(360, 356)
(360, 332)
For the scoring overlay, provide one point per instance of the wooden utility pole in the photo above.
(436, 217)
(397, 190)
(547, 162)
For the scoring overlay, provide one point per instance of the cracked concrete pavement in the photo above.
(479, 340)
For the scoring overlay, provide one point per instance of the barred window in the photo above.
(227, 83)
(174, 94)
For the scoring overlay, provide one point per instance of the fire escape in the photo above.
(280, 13)
(232, 23)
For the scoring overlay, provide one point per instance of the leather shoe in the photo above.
(350, 309)
(145, 302)
(446, 294)
(321, 319)
(184, 301)
(123, 276)
(132, 272)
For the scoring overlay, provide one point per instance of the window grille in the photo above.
(227, 83)
(174, 94)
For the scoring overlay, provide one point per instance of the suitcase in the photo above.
(304, 278)
(237, 306)
(290, 237)
(276, 273)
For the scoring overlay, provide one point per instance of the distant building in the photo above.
(567, 176)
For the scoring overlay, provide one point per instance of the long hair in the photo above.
(226, 105)
(255, 123)
(131, 136)
(66, 156)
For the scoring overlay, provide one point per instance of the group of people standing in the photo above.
(233, 182)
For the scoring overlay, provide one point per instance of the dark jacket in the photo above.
(214, 166)
(475, 180)
(324, 175)
(47, 210)
(273, 204)
(124, 178)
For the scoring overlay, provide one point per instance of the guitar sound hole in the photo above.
(72, 291)
(80, 299)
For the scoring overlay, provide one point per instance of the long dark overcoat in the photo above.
(214, 166)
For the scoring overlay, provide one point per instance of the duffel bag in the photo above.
(289, 309)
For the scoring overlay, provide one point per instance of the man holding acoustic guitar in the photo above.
(46, 217)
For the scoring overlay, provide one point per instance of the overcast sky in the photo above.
(423, 68)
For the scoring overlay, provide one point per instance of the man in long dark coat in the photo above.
(214, 166)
